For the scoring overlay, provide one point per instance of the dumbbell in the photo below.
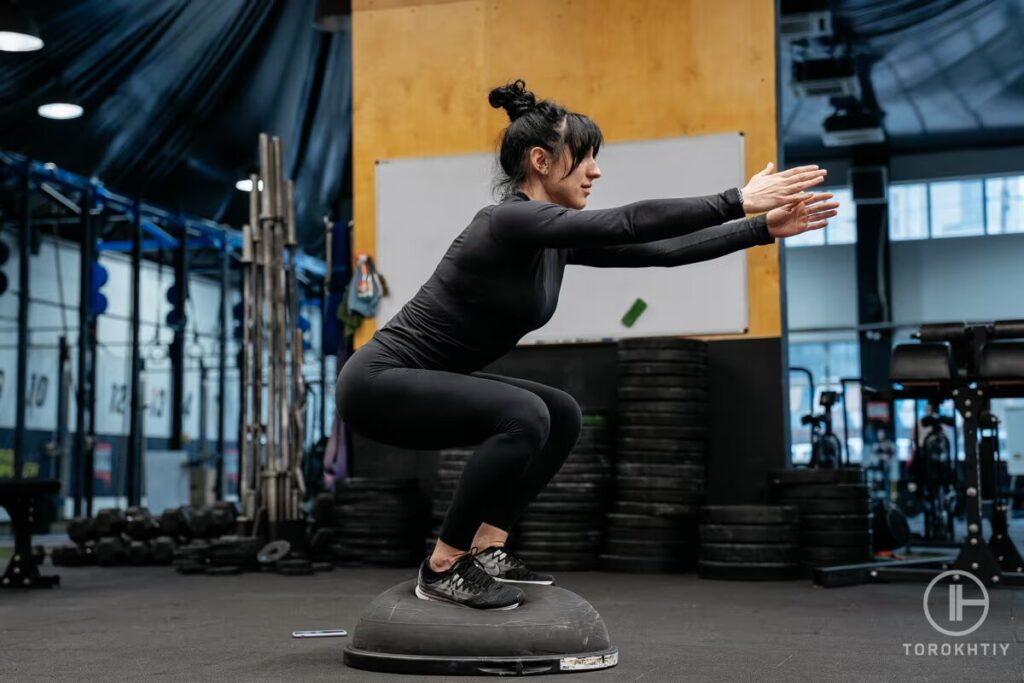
(201, 522)
(173, 523)
(81, 530)
(323, 510)
(110, 522)
(110, 551)
(162, 549)
(140, 524)
(138, 552)
(225, 516)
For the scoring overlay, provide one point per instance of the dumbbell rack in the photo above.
(967, 364)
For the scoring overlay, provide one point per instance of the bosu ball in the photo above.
(552, 631)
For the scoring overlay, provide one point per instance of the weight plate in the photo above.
(649, 393)
(373, 542)
(564, 508)
(689, 484)
(680, 343)
(803, 475)
(650, 509)
(748, 553)
(748, 533)
(749, 514)
(738, 571)
(627, 443)
(693, 410)
(855, 506)
(558, 549)
(859, 539)
(296, 567)
(558, 536)
(323, 566)
(835, 522)
(662, 356)
(818, 555)
(644, 521)
(648, 431)
(525, 527)
(562, 565)
(823, 492)
(274, 552)
(638, 457)
(225, 570)
(189, 567)
(696, 425)
(644, 565)
(362, 530)
(662, 382)
(628, 469)
(663, 370)
(678, 534)
(377, 485)
(672, 496)
(676, 549)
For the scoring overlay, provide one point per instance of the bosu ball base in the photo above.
(553, 631)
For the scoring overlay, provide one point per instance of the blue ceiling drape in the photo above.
(176, 93)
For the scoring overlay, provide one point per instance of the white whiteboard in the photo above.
(423, 204)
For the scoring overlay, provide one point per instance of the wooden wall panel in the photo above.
(643, 69)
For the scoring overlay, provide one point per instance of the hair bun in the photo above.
(514, 98)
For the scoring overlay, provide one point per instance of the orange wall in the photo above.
(642, 69)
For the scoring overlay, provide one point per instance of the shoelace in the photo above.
(466, 572)
(505, 556)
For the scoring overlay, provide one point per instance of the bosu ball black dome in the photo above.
(553, 631)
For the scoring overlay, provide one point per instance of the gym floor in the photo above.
(151, 623)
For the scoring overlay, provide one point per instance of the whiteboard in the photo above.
(424, 203)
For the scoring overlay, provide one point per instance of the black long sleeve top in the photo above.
(500, 278)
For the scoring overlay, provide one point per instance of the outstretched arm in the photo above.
(810, 214)
(543, 224)
(703, 245)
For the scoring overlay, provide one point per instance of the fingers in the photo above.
(820, 215)
(767, 170)
(789, 172)
(817, 225)
(818, 197)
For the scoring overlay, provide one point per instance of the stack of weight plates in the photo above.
(377, 522)
(561, 528)
(660, 473)
(748, 542)
(835, 518)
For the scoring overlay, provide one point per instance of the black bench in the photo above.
(21, 498)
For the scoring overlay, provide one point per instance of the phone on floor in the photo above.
(326, 633)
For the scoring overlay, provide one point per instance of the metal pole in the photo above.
(222, 362)
(82, 393)
(325, 295)
(178, 345)
(134, 470)
(24, 244)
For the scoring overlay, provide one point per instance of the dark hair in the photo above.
(538, 124)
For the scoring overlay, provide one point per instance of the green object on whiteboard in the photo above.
(638, 307)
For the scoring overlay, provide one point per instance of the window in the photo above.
(829, 362)
(908, 211)
(957, 209)
(1004, 205)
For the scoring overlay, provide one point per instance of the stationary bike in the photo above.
(826, 449)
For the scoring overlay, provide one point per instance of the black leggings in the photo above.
(525, 431)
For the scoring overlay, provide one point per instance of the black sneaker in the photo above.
(509, 568)
(466, 583)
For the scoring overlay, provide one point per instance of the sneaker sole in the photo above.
(423, 595)
(533, 583)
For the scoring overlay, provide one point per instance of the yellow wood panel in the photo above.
(643, 69)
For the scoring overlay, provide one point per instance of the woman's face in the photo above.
(571, 190)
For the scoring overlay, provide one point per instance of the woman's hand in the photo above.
(810, 214)
(768, 190)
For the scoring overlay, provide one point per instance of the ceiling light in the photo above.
(18, 32)
(245, 185)
(60, 111)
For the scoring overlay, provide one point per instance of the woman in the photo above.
(417, 383)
